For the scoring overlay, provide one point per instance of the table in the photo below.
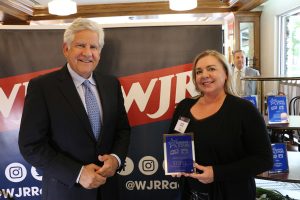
(293, 125)
(266, 78)
(292, 176)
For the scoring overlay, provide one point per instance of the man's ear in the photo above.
(65, 49)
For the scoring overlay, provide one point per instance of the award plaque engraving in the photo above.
(179, 153)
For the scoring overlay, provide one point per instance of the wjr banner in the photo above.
(153, 65)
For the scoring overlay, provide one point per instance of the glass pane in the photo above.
(293, 45)
(247, 41)
(290, 44)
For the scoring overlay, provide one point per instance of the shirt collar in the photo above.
(78, 80)
(242, 70)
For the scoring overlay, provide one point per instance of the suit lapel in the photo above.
(248, 84)
(69, 91)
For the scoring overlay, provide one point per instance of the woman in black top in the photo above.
(231, 140)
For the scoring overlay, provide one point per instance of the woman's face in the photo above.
(210, 75)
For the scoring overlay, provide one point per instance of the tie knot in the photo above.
(86, 83)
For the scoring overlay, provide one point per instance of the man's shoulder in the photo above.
(47, 76)
(104, 76)
(251, 71)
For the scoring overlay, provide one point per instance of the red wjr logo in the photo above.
(148, 97)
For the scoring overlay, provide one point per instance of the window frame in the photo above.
(282, 41)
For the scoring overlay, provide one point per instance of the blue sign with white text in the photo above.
(280, 158)
(252, 99)
(277, 109)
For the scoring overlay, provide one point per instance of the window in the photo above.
(289, 26)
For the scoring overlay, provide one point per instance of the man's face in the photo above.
(239, 60)
(83, 55)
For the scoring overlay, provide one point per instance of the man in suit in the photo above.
(243, 88)
(74, 125)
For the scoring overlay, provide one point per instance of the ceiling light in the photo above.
(181, 5)
(62, 7)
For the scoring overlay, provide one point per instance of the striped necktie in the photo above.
(92, 108)
(238, 82)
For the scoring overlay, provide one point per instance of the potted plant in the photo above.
(264, 194)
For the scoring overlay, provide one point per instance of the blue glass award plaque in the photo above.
(280, 158)
(179, 153)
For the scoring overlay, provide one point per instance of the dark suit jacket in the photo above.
(56, 136)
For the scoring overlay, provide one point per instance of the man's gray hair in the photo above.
(81, 24)
(238, 51)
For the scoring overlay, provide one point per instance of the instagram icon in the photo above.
(15, 172)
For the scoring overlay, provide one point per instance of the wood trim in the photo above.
(128, 9)
(17, 6)
(249, 5)
(24, 11)
(11, 20)
(13, 11)
(253, 17)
